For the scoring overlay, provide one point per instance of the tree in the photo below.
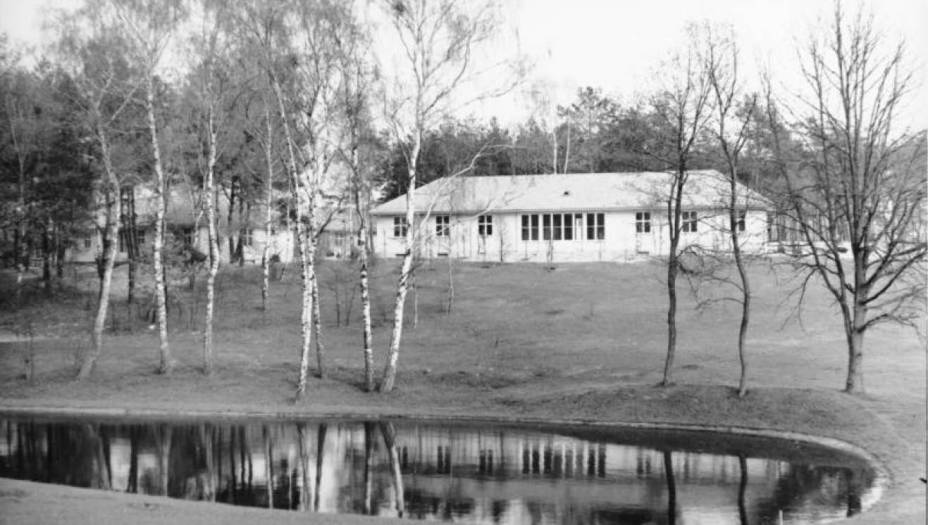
(587, 119)
(731, 121)
(46, 183)
(438, 40)
(212, 87)
(859, 186)
(104, 85)
(299, 46)
(148, 27)
(358, 151)
(680, 108)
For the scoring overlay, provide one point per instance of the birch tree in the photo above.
(104, 82)
(212, 86)
(439, 45)
(357, 77)
(299, 44)
(148, 26)
(857, 196)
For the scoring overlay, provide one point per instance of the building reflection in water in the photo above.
(429, 472)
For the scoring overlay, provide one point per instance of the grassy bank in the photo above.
(580, 341)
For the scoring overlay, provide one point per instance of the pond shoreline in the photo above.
(886, 472)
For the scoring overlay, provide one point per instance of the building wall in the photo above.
(621, 242)
(87, 249)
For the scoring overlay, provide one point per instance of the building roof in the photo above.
(705, 189)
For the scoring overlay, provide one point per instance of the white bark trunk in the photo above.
(112, 230)
(304, 193)
(317, 327)
(213, 250)
(365, 286)
(166, 362)
(389, 372)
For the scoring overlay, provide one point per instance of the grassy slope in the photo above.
(580, 341)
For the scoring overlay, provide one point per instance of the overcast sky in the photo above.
(616, 45)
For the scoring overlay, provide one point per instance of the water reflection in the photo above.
(490, 475)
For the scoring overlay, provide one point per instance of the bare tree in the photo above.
(358, 75)
(298, 43)
(148, 26)
(859, 184)
(438, 41)
(103, 79)
(730, 123)
(267, 143)
(212, 87)
(682, 108)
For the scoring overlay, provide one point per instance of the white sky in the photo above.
(616, 45)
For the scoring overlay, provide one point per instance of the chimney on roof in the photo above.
(567, 193)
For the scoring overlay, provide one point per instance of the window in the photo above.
(530, 227)
(399, 226)
(88, 242)
(123, 233)
(485, 225)
(689, 221)
(187, 236)
(247, 237)
(556, 226)
(442, 225)
(739, 221)
(140, 237)
(643, 222)
(595, 226)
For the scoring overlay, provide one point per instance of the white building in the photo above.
(569, 217)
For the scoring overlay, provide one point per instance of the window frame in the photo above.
(443, 226)
(642, 222)
(595, 226)
(400, 226)
(485, 225)
(689, 221)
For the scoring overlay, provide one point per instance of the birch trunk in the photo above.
(268, 202)
(111, 194)
(308, 275)
(389, 372)
(317, 327)
(367, 349)
(166, 362)
(210, 195)
(304, 193)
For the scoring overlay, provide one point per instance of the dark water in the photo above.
(474, 473)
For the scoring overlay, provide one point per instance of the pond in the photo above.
(473, 473)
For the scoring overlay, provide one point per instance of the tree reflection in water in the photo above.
(492, 475)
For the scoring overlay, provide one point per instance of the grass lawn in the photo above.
(580, 341)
